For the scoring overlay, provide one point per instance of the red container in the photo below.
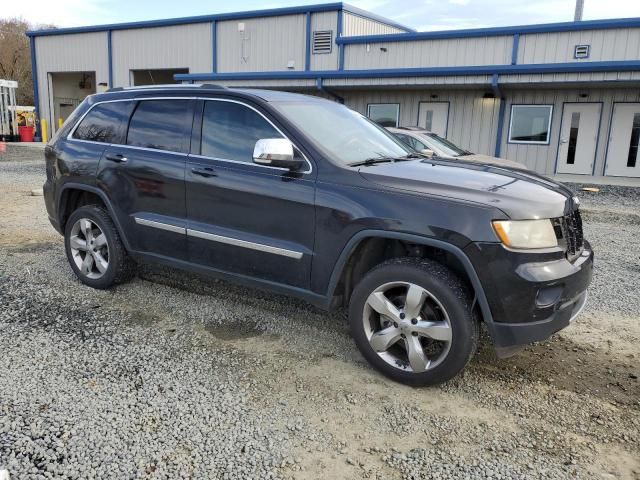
(26, 134)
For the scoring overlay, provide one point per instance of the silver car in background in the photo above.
(430, 143)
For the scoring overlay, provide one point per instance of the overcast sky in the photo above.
(419, 14)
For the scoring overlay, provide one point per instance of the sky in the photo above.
(423, 15)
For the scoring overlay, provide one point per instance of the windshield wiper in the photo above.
(375, 160)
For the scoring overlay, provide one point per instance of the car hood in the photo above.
(520, 194)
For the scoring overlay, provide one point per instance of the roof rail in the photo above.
(208, 86)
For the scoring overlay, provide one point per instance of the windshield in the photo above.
(340, 133)
(442, 146)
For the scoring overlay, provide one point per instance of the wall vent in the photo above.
(322, 41)
(581, 51)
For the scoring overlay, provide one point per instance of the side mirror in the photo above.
(428, 152)
(276, 152)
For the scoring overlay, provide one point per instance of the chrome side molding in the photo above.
(160, 225)
(261, 247)
(245, 244)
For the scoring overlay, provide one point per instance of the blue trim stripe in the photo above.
(110, 58)
(514, 48)
(307, 43)
(34, 77)
(496, 31)
(271, 12)
(614, 66)
(338, 37)
(214, 46)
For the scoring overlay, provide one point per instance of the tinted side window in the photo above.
(161, 124)
(230, 131)
(105, 123)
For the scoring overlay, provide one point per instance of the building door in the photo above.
(622, 156)
(434, 116)
(578, 138)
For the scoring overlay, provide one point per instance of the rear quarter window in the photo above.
(105, 123)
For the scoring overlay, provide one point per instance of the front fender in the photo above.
(353, 243)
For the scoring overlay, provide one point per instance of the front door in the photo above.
(145, 177)
(578, 138)
(624, 136)
(434, 116)
(244, 218)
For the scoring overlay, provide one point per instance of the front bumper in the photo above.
(532, 298)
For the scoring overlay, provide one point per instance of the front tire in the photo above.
(94, 249)
(412, 320)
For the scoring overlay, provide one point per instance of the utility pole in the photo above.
(579, 8)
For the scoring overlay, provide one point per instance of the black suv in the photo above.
(305, 197)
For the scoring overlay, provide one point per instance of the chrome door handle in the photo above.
(204, 172)
(118, 158)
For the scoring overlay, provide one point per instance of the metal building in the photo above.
(560, 98)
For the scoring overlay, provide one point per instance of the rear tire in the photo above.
(412, 320)
(94, 249)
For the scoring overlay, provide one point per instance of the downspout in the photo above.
(320, 86)
(495, 87)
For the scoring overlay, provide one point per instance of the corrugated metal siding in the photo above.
(269, 43)
(82, 52)
(180, 46)
(430, 53)
(614, 44)
(472, 122)
(291, 84)
(571, 77)
(459, 80)
(542, 158)
(325, 21)
(354, 25)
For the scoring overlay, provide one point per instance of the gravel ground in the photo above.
(174, 375)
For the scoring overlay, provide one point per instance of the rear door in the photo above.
(245, 218)
(144, 177)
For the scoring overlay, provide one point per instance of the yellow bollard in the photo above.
(43, 129)
(59, 123)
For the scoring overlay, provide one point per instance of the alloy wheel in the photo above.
(89, 248)
(407, 326)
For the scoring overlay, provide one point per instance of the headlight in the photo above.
(526, 233)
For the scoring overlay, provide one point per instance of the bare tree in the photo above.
(15, 57)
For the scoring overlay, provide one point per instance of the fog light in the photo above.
(548, 296)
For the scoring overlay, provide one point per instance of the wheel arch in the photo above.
(455, 251)
(64, 196)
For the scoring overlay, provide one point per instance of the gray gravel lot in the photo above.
(174, 375)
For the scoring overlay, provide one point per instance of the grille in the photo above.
(572, 233)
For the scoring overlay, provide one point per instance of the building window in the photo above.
(530, 124)
(573, 138)
(635, 140)
(384, 114)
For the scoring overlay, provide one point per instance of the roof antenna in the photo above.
(577, 17)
